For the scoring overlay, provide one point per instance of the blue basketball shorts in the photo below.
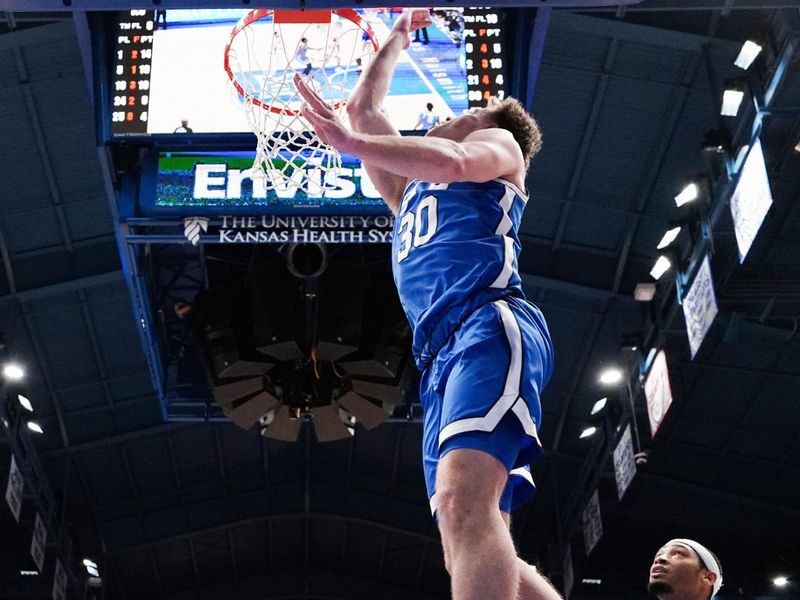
(482, 392)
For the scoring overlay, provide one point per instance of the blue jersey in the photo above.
(454, 249)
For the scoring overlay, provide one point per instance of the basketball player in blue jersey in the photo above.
(483, 350)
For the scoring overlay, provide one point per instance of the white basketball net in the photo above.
(263, 58)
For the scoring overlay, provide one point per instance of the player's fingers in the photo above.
(316, 102)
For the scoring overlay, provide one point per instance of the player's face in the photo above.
(678, 573)
(458, 128)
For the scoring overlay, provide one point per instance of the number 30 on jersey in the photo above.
(417, 227)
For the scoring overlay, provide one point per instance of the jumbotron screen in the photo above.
(168, 75)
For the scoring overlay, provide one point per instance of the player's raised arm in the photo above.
(364, 104)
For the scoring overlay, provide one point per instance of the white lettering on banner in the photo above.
(700, 306)
(38, 542)
(592, 523)
(275, 229)
(14, 489)
(624, 462)
(217, 181)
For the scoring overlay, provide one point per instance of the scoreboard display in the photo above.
(484, 55)
(132, 65)
(167, 75)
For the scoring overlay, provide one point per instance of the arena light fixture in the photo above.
(670, 236)
(644, 292)
(588, 432)
(780, 581)
(35, 427)
(731, 101)
(750, 50)
(25, 403)
(662, 266)
(13, 372)
(688, 193)
(610, 376)
(598, 406)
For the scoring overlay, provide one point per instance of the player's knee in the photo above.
(460, 513)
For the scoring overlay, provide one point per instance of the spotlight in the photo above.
(662, 266)
(13, 372)
(89, 563)
(588, 581)
(588, 432)
(35, 427)
(26, 573)
(780, 581)
(731, 100)
(598, 406)
(687, 194)
(669, 237)
(610, 376)
(750, 50)
(25, 403)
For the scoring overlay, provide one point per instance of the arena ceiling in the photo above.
(625, 95)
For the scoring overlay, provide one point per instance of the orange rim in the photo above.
(262, 13)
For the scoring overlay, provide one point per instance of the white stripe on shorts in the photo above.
(510, 399)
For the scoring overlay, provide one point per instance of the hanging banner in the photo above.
(39, 542)
(569, 573)
(624, 463)
(657, 391)
(592, 524)
(751, 200)
(700, 306)
(59, 582)
(14, 489)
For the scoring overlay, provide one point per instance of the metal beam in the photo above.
(655, 164)
(269, 519)
(41, 146)
(588, 133)
(535, 52)
(64, 287)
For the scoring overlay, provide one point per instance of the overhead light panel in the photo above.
(731, 100)
(13, 372)
(669, 237)
(644, 292)
(25, 403)
(689, 193)
(610, 376)
(750, 50)
(598, 406)
(588, 432)
(35, 427)
(662, 266)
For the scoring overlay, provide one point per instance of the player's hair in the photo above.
(511, 115)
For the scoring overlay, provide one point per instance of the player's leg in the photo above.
(532, 584)
(479, 552)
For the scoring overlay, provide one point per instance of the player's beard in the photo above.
(659, 587)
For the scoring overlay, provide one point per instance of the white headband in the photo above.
(706, 557)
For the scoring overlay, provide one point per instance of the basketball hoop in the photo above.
(265, 50)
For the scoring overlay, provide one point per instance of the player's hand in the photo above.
(322, 117)
(411, 20)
